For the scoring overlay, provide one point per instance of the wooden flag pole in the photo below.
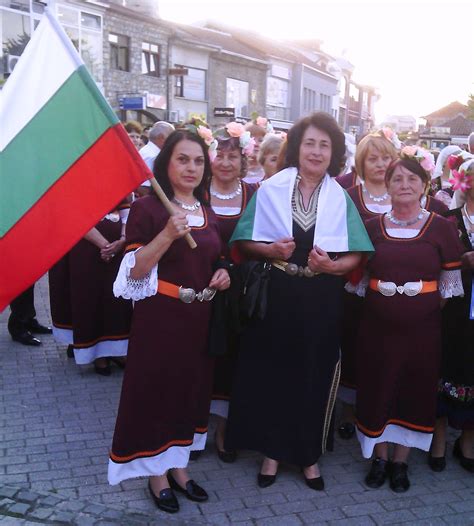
(169, 207)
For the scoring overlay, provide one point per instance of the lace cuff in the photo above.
(450, 284)
(359, 288)
(134, 289)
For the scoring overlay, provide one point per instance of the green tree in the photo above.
(470, 104)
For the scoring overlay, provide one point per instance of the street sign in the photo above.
(178, 71)
(224, 112)
(132, 103)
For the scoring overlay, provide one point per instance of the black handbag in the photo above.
(254, 280)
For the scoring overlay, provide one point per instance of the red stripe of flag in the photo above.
(93, 186)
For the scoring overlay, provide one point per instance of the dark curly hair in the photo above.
(160, 168)
(324, 122)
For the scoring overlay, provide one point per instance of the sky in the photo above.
(419, 54)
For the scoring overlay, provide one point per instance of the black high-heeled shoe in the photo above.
(105, 370)
(192, 491)
(466, 463)
(167, 500)
(437, 464)
(265, 481)
(316, 484)
(226, 456)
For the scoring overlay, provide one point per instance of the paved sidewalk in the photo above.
(56, 424)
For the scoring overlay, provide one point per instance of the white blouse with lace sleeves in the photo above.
(450, 284)
(359, 288)
(134, 289)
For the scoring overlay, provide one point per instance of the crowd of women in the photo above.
(307, 284)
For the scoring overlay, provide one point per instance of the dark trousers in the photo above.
(23, 311)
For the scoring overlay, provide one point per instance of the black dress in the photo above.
(288, 367)
(456, 387)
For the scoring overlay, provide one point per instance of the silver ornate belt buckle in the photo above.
(413, 288)
(206, 295)
(387, 288)
(187, 295)
(291, 269)
(308, 273)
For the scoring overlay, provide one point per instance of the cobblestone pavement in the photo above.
(56, 424)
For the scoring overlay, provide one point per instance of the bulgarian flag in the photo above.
(65, 159)
(268, 216)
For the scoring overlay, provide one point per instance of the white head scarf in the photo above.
(442, 158)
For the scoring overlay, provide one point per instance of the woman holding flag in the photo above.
(164, 406)
(302, 223)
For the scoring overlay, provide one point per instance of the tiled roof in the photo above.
(460, 126)
(220, 39)
(449, 112)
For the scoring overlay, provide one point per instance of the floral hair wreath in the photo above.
(459, 165)
(264, 123)
(237, 130)
(391, 136)
(423, 157)
(202, 129)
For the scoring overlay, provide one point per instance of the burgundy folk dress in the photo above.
(84, 310)
(353, 304)
(225, 365)
(164, 405)
(399, 345)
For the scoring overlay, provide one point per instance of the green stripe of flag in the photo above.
(64, 128)
(358, 239)
(244, 228)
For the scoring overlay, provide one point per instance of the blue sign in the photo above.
(132, 103)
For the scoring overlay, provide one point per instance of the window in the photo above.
(150, 59)
(237, 96)
(325, 103)
(192, 85)
(119, 52)
(85, 31)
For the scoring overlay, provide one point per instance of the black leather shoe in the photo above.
(436, 463)
(227, 456)
(399, 482)
(194, 455)
(70, 351)
(35, 327)
(193, 491)
(317, 484)
(167, 500)
(264, 481)
(104, 370)
(26, 338)
(119, 361)
(378, 473)
(466, 463)
(346, 430)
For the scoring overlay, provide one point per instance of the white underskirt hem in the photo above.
(63, 335)
(174, 457)
(101, 350)
(348, 395)
(219, 408)
(396, 435)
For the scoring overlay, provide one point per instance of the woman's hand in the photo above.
(112, 249)
(220, 280)
(282, 249)
(176, 227)
(468, 259)
(319, 261)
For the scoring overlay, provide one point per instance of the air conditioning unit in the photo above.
(11, 61)
(173, 116)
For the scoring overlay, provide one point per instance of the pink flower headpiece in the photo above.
(237, 130)
(391, 136)
(264, 123)
(420, 155)
(200, 128)
(460, 165)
